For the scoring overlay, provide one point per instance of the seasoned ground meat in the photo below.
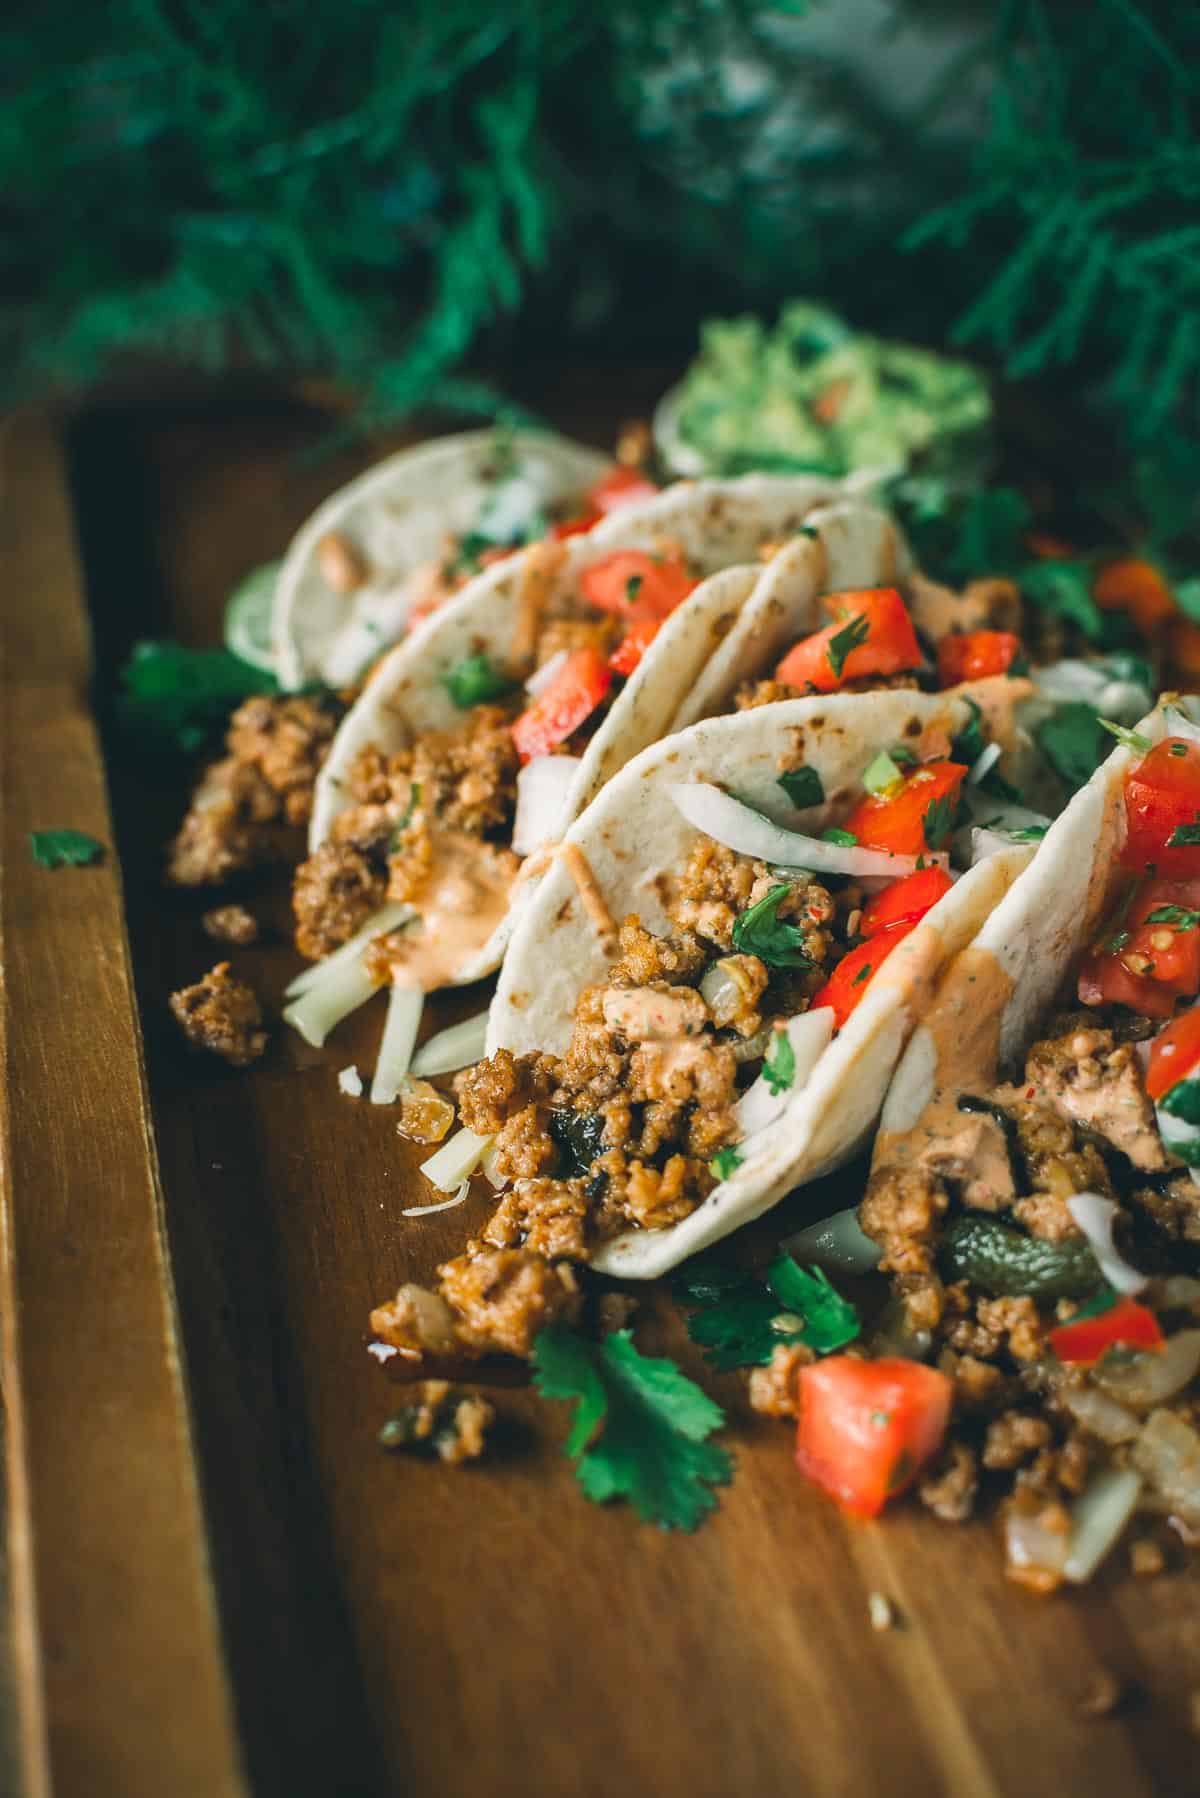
(492, 1091)
(570, 634)
(773, 1390)
(335, 892)
(547, 1217)
(222, 1015)
(230, 924)
(1097, 1082)
(717, 885)
(416, 1321)
(903, 1211)
(1173, 1208)
(501, 1298)
(249, 809)
(978, 1385)
(950, 1488)
(753, 693)
(1057, 1160)
(644, 957)
(453, 1423)
(1013, 1438)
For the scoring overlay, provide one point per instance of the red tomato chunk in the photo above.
(974, 655)
(572, 696)
(905, 902)
(1162, 803)
(1174, 1054)
(897, 820)
(866, 1428)
(827, 660)
(1125, 1324)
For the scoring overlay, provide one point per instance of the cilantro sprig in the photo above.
(742, 1317)
(64, 848)
(474, 680)
(1129, 739)
(939, 820)
(803, 787)
(641, 1427)
(176, 698)
(1072, 741)
(1185, 836)
(853, 633)
(779, 1066)
(1180, 917)
(759, 931)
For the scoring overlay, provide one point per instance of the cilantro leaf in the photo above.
(633, 587)
(939, 821)
(830, 1321)
(725, 1162)
(474, 680)
(706, 1282)
(1072, 741)
(640, 1428)
(1179, 915)
(1185, 836)
(864, 973)
(175, 698)
(852, 634)
(1096, 1306)
(759, 931)
(1128, 739)
(64, 848)
(845, 839)
(970, 742)
(779, 1067)
(803, 787)
(1064, 589)
(745, 1316)
(1183, 1101)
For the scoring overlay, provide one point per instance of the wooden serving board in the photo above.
(218, 1583)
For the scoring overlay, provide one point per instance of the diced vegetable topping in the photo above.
(621, 486)
(1136, 586)
(1162, 810)
(474, 680)
(1174, 1053)
(1007, 1263)
(634, 645)
(1155, 943)
(634, 584)
(743, 1317)
(803, 787)
(868, 1427)
(905, 902)
(558, 711)
(64, 848)
(872, 636)
(1122, 1323)
(974, 655)
(848, 983)
(915, 817)
(760, 931)
(882, 773)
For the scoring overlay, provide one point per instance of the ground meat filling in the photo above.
(222, 1015)
(250, 808)
(455, 786)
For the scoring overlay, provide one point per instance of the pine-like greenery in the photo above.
(397, 193)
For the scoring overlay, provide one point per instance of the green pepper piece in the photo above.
(1008, 1264)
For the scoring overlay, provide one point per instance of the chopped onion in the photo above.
(881, 774)
(1030, 1547)
(1167, 1455)
(1180, 725)
(1003, 814)
(405, 1005)
(350, 1082)
(837, 1242)
(341, 990)
(541, 677)
(1123, 700)
(1095, 1215)
(542, 787)
(987, 842)
(810, 1034)
(986, 760)
(487, 1165)
(452, 1049)
(1100, 1414)
(456, 1198)
(388, 917)
(726, 990)
(1179, 1292)
(456, 1160)
(748, 832)
(1098, 1517)
(1152, 1378)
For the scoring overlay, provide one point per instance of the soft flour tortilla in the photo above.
(397, 516)
(718, 525)
(992, 999)
(636, 841)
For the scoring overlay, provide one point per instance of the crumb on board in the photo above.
(881, 1611)
(444, 1418)
(1104, 1694)
(350, 1082)
(230, 924)
(222, 1015)
(1146, 1557)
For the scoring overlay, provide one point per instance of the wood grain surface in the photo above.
(391, 1626)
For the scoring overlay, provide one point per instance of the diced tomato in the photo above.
(1174, 1053)
(636, 585)
(1125, 1324)
(1170, 948)
(575, 527)
(572, 696)
(1162, 795)
(896, 820)
(905, 901)
(621, 486)
(636, 642)
(889, 646)
(867, 1428)
(848, 983)
(1133, 585)
(973, 655)
(1105, 980)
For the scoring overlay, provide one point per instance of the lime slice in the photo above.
(248, 617)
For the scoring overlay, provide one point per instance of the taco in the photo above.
(412, 530)
(480, 737)
(707, 994)
(1034, 1189)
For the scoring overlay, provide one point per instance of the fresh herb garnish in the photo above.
(881, 774)
(745, 1315)
(64, 848)
(1072, 741)
(633, 586)
(1029, 833)
(970, 742)
(1178, 915)
(779, 1065)
(1185, 836)
(760, 932)
(1102, 1301)
(725, 1162)
(1064, 589)
(808, 530)
(851, 635)
(1177, 749)
(1183, 1102)
(864, 973)
(803, 787)
(1129, 739)
(939, 821)
(640, 1427)
(474, 680)
(844, 839)
(177, 698)
(1116, 942)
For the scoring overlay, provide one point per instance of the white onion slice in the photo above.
(325, 1002)
(837, 1242)
(1151, 1379)
(542, 788)
(987, 842)
(1098, 1517)
(456, 1160)
(388, 917)
(810, 1034)
(488, 1168)
(1102, 1415)
(350, 1082)
(1095, 1215)
(986, 760)
(1003, 814)
(1122, 700)
(453, 1048)
(405, 1005)
(1179, 724)
(456, 1198)
(541, 677)
(739, 827)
